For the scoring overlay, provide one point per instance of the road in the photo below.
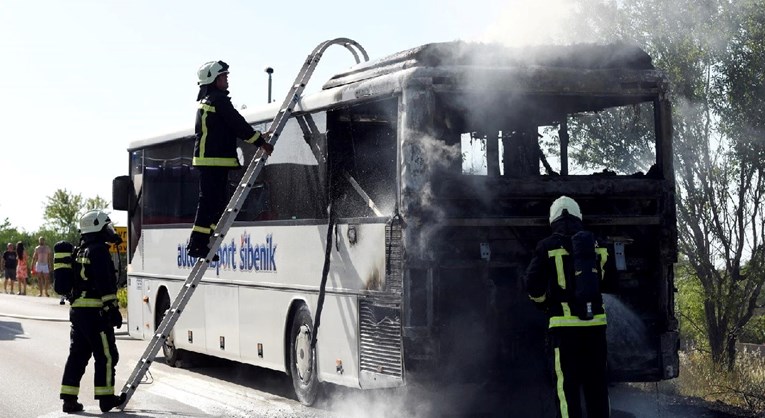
(34, 338)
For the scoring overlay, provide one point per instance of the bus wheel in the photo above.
(302, 358)
(172, 354)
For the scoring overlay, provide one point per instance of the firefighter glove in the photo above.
(111, 312)
(267, 148)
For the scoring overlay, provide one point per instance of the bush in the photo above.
(754, 331)
(122, 297)
(743, 387)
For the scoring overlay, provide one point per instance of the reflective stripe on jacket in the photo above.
(218, 125)
(96, 283)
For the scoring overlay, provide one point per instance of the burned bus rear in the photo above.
(488, 138)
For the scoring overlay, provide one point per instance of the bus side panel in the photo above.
(190, 329)
(221, 304)
(262, 315)
(338, 340)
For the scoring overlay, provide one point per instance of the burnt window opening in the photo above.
(362, 147)
(516, 136)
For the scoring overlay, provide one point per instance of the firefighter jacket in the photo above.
(550, 274)
(95, 280)
(217, 127)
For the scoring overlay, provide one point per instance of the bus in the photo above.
(440, 164)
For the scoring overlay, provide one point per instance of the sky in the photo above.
(84, 78)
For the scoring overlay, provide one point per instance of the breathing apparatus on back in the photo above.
(584, 285)
(95, 226)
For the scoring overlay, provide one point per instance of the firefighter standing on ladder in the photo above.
(570, 294)
(94, 312)
(218, 125)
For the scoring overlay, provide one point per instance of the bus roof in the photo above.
(457, 54)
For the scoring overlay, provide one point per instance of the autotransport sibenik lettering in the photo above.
(248, 256)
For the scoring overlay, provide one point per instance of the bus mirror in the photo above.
(122, 188)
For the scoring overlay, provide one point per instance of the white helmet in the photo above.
(209, 71)
(95, 221)
(567, 203)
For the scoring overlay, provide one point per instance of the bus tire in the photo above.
(172, 354)
(302, 358)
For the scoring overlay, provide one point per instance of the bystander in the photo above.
(9, 267)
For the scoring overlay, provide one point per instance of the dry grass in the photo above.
(744, 387)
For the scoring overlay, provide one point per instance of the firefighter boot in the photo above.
(198, 246)
(110, 402)
(71, 406)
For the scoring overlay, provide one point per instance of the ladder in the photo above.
(232, 209)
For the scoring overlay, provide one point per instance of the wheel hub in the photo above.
(303, 352)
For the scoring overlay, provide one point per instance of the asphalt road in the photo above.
(34, 338)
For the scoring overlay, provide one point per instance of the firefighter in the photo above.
(218, 125)
(565, 280)
(94, 313)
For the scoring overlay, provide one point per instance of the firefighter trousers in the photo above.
(90, 335)
(579, 365)
(213, 197)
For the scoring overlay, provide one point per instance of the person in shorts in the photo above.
(41, 262)
(9, 267)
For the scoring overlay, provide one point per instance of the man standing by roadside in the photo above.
(9, 267)
(41, 263)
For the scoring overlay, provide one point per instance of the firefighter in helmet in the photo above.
(218, 125)
(565, 280)
(94, 313)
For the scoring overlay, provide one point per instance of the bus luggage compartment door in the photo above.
(137, 308)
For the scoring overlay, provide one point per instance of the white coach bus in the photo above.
(441, 163)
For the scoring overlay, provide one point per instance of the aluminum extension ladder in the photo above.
(232, 209)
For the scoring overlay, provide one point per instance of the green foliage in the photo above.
(122, 297)
(690, 307)
(619, 139)
(63, 211)
(754, 331)
(12, 235)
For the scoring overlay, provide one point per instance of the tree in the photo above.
(712, 51)
(12, 235)
(64, 209)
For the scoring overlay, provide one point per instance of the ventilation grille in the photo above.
(380, 326)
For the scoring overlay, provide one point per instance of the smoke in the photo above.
(379, 403)
(425, 157)
(538, 22)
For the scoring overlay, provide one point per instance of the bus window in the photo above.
(291, 186)
(170, 184)
(362, 146)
